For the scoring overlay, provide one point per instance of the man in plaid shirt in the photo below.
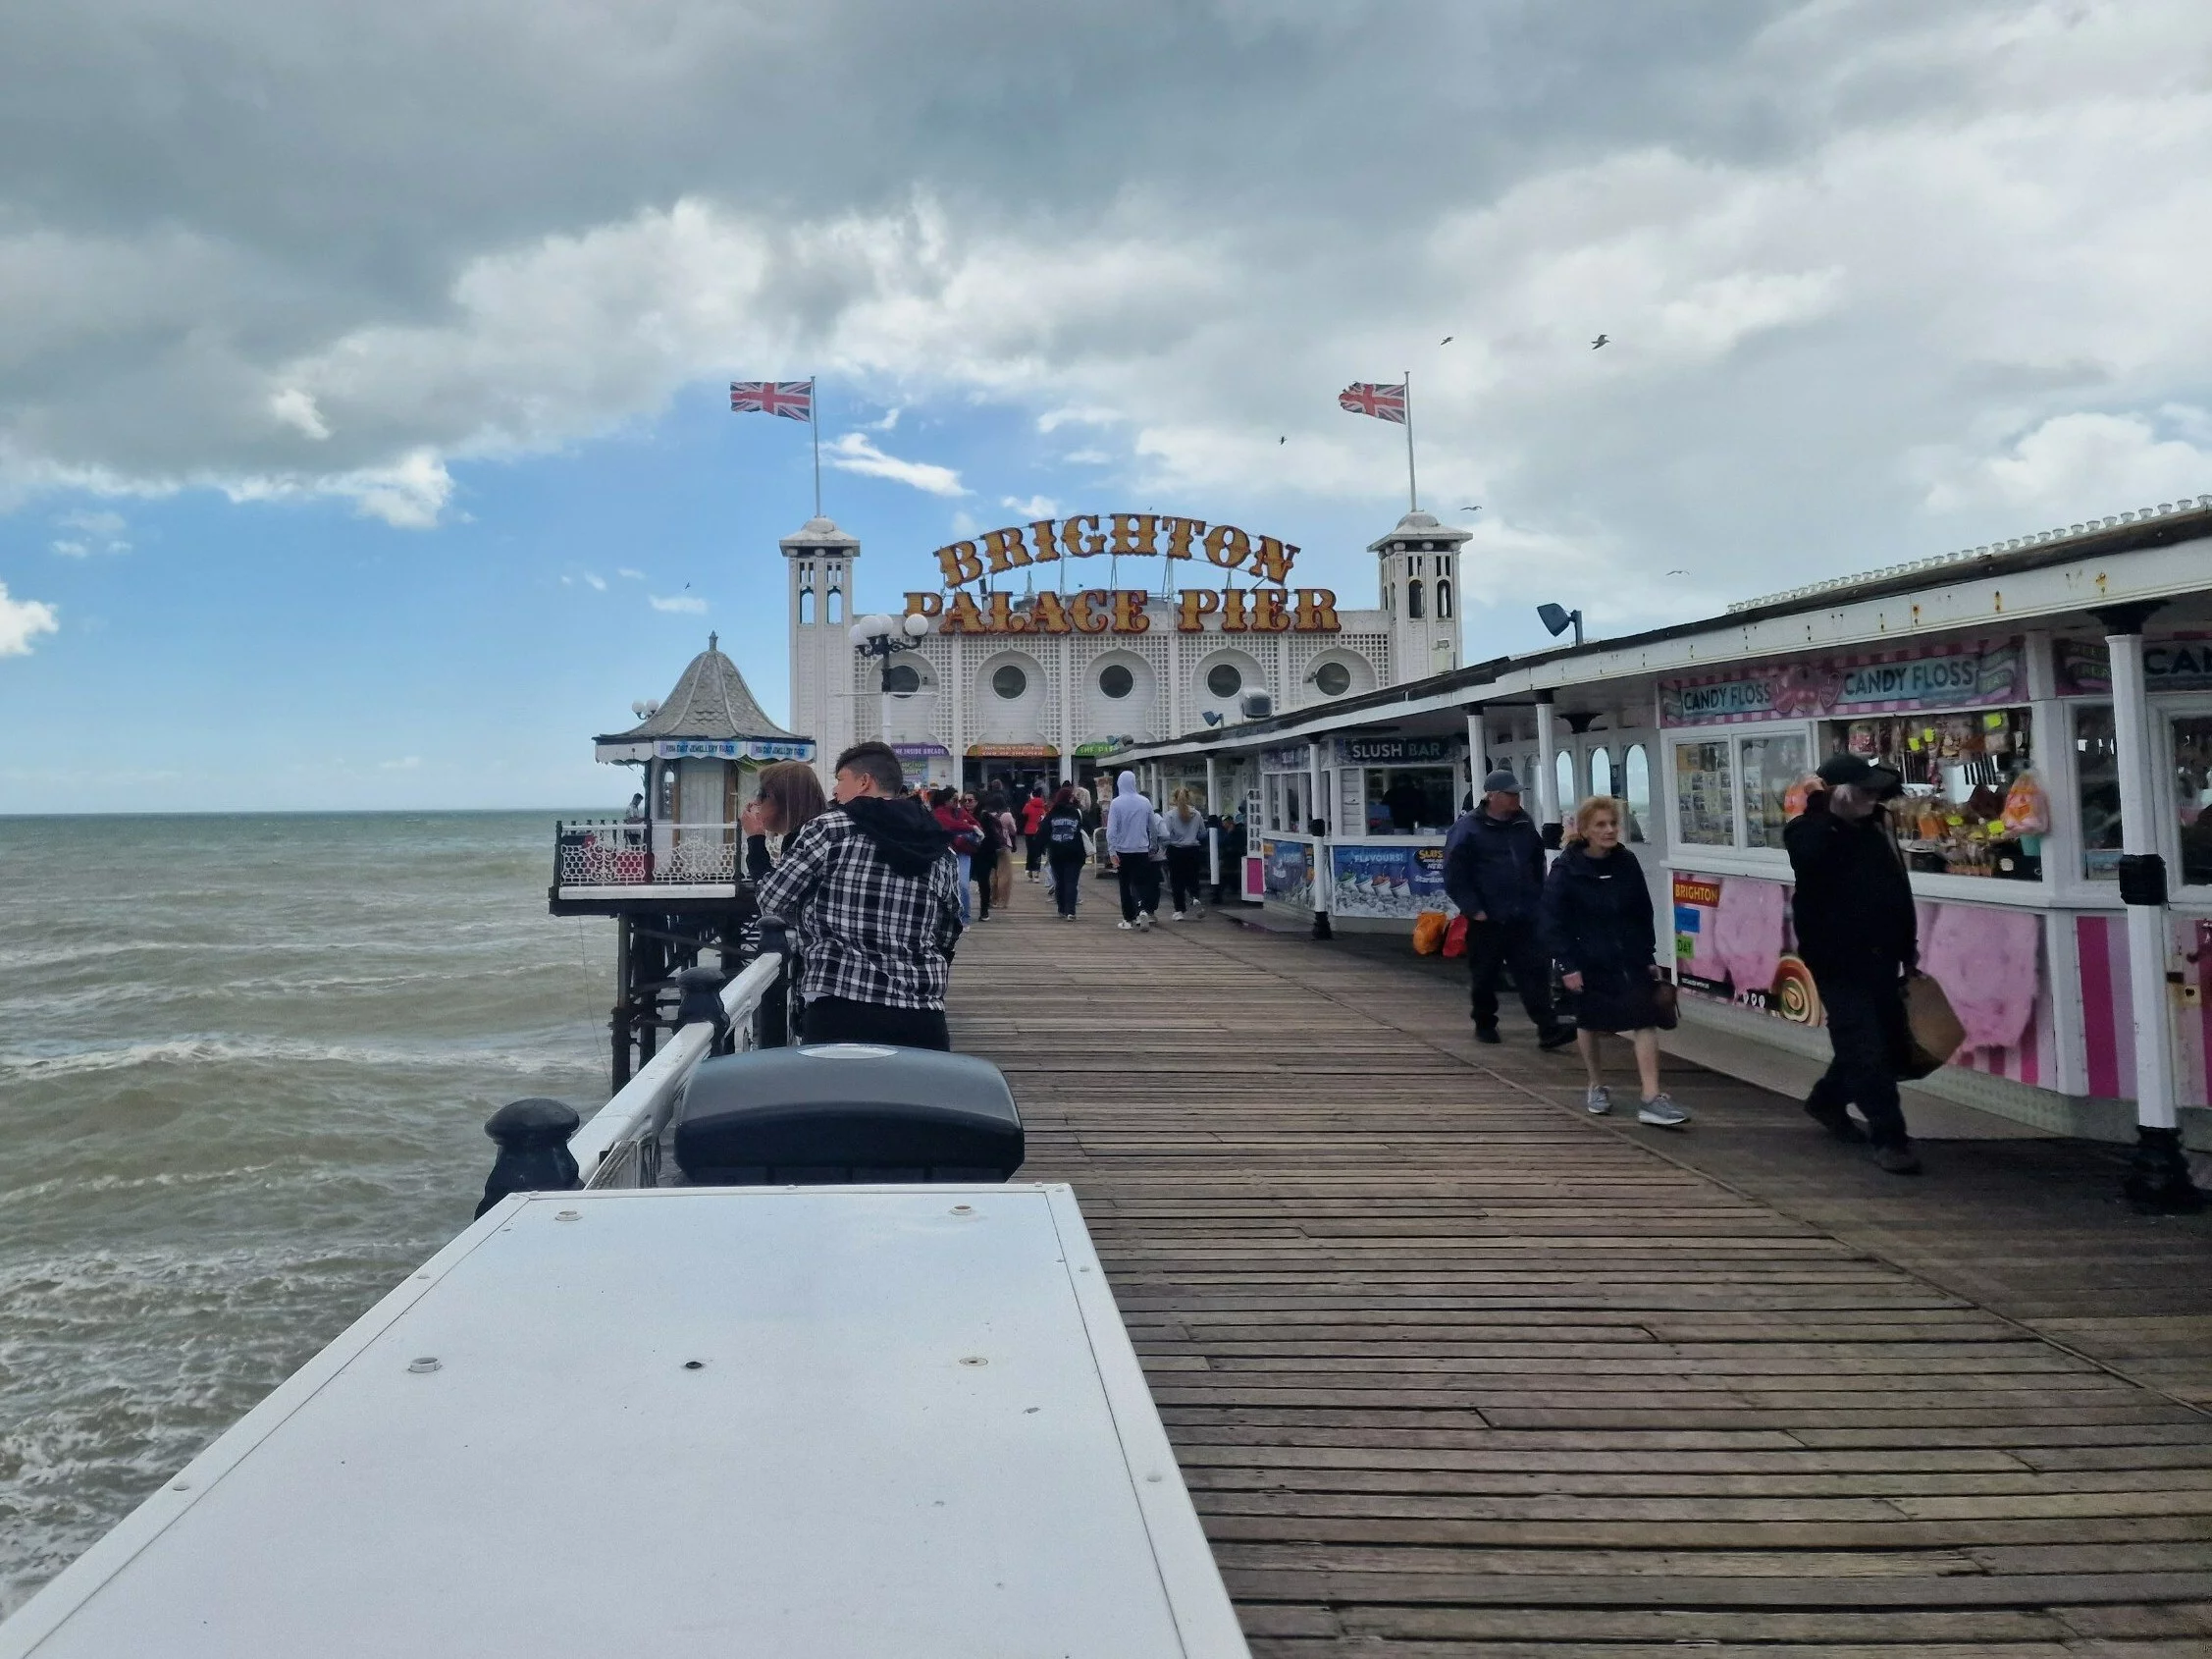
(870, 887)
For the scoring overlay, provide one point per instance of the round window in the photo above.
(1010, 682)
(1116, 680)
(901, 680)
(1223, 679)
(1333, 678)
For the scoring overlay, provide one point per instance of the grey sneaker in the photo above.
(1898, 1158)
(1662, 1113)
(1596, 1099)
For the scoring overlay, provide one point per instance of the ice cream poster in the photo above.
(1731, 942)
(1290, 871)
(1387, 882)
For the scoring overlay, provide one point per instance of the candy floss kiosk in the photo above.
(2052, 820)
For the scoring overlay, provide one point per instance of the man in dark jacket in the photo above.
(872, 891)
(1857, 930)
(1494, 873)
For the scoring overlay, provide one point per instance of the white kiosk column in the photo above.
(2158, 1179)
(1322, 884)
(1546, 760)
(1213, 836)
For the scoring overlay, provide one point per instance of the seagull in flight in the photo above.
(1448, 340)
(1471, 508)
(1599, 340)
(1282, 440)
(1678, 572)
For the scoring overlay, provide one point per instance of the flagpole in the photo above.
(814, 430)
(1412, 491)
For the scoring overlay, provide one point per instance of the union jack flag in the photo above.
(1384, 402)
(794, 400)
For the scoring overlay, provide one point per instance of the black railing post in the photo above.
(701, 1000)
(534, 1157)
(772, 1021)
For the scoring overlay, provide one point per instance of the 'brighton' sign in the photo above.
(1269, 606)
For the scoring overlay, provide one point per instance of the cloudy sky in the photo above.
(363, 438)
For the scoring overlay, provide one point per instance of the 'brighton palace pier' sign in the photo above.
(1267, 607)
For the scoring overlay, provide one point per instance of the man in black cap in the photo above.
(1857, 930)
(1493, 870)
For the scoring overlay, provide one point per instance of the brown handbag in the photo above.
(1666, 1005)
(1932, 1031)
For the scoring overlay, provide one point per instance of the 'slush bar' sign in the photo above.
(1269, 606)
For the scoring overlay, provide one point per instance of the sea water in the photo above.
(244, 1067)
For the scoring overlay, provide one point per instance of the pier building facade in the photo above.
(1052, 644)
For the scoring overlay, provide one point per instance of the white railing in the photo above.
(614, 853)
(622, 1144)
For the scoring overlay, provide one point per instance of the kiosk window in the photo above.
(2096, 776)
(1771, 766)
(1959, 769)
(1637, 792)
(2192, 782)
(1705, 795)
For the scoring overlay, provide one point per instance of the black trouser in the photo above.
(979, 869)
(1066, 882)
(1866, 1028)
(1140, 878)
(1186, 871)
(1036, 849)
(840, 1019)
(1491, 945)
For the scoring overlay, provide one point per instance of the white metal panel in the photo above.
(916, 1427)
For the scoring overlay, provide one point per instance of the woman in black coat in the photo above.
(1597, 926)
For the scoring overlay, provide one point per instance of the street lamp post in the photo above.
(884, 637)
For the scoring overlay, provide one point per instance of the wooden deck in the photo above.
(1453, 1369)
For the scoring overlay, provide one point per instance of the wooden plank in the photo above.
(1452, 1368)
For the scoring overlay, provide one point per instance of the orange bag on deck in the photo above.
(1456, 938)
(1428, 932)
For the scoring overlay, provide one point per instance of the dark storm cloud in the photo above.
(1914, 263)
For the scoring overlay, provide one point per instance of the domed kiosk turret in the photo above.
(672, 868)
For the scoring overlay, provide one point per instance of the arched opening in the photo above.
(805, 606)
(1562, 773)
(1443, 597)
(1636, 791)
(1413, 598)
(836, 610)
(1601, 771)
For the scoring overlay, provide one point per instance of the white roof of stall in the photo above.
(838, 1423)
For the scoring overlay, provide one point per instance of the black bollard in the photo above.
(534, 1156)
(701, 1002)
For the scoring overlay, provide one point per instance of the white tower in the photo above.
(820, 556)
(1420, 579)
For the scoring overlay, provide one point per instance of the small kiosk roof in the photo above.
(710, 703)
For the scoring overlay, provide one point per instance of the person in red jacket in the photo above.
(1032, 827)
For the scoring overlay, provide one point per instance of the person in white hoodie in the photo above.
(1132, 830)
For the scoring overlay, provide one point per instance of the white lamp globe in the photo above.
(917, 626)
(857, 632)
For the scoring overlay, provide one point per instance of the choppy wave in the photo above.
(242, 1098)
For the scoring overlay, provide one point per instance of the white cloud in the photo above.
(1052, 420)
(888, 423)
(856, 451)
(598, 583)
(2080, 464)
(1088, 458)
(99, 531)
(296, 409)
(630, 576)
(22, 620)
(1036, 506)
(405, 763)
(690, 604)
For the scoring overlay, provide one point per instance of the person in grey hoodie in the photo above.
(1185, 829)
(1132, 827)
